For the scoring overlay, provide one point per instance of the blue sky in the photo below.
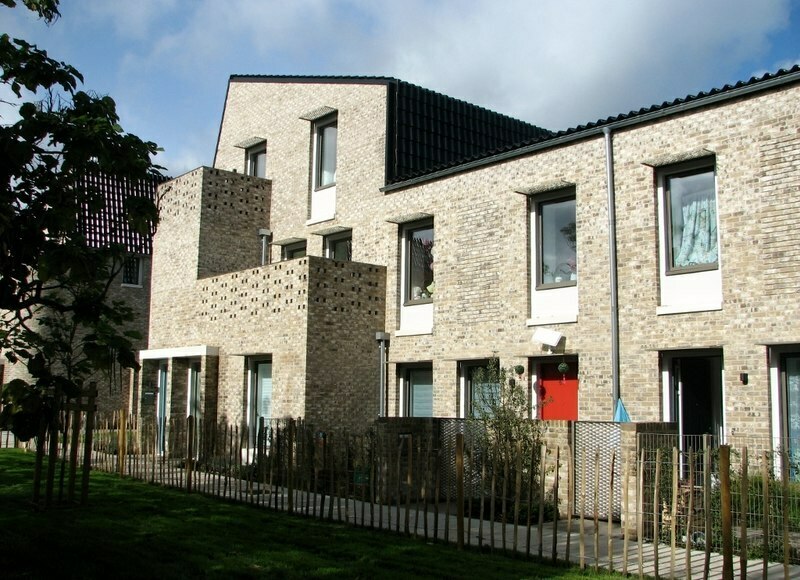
(555, 63)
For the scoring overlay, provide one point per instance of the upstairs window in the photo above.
(257, 160)
(691, 219)
(339, 247)
(132, 271)
(325, 154)
(420, 284)
(419, 393)
(296, 250)
(556, 252)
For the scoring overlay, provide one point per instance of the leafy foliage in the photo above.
(501, 410)
(55, 316)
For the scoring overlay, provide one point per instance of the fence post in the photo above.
(766, 515)
(656, 483)
(122, 441)
(460, 489)
(785, 501)
(290, 467)
(744, 498)
(189, 452)
(91, 407)
(409, 483)
(727, 530)
(707, 503)
(73, 448)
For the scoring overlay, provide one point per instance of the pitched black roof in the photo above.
(430, 135)
(426, 129)
(645, 114)
(106, 224)
(429, 129)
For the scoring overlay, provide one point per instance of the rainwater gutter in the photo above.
(612, 267)
(595, 130)
(383, 344)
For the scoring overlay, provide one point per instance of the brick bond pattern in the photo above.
(481, 257)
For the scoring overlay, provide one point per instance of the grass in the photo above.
(134, 530)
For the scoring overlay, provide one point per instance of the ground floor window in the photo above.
(480, 387)
(193, 407)
(162, 408)
(417, 391)
(260, 391)
(790, 407)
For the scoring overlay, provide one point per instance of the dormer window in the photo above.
(325, 154)
(257, 161)
(255, 156)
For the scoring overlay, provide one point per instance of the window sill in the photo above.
(553, 318)
(692, 269)
(687, 308)
(125, 285)
(314, 221)
(417, 302)
(413, 332)
(555, 285)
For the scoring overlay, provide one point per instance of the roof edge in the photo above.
(645, 115)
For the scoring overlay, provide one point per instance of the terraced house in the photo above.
(102, 227)
(361, 245)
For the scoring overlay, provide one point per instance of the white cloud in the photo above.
(557, 63)
(129, 20)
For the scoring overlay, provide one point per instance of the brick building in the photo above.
(361, 245)
(101, 226)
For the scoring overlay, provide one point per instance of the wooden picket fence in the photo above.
(683, 514)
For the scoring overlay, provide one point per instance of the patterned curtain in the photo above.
(698, 236)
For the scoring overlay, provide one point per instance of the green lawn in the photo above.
(135, 530)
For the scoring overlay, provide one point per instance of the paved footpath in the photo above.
(629, 556)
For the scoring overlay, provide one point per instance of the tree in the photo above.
(54, 280)
(511, 439)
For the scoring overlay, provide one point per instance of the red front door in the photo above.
(558, 392)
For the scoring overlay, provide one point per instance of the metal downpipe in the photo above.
(383, 344)
(612, 266)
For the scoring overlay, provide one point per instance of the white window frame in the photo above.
(320, 148)
(551, 302)
(778, 397)
(416, 315)
(406, 387)
(691, 289)
(251, 155)
(466, 408)
(333, 239)
(253, 389)
(289, 249)
(194, 390)
(323, 195)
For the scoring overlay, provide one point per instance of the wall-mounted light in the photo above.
(548, 337)
(743, 378)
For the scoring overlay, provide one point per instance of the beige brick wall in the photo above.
(273, 111)
(482, 252)
(116, 390)
(308, 314)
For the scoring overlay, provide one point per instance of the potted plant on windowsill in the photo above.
(567, 271)
(547, 274)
